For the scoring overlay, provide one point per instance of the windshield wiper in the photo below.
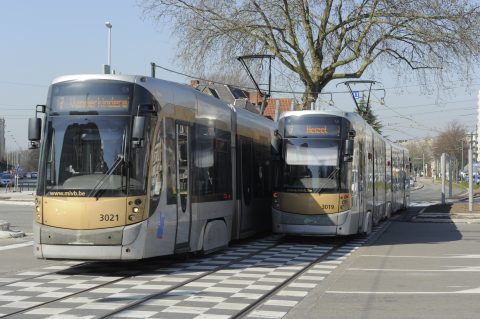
(96, 189)
(329, 177)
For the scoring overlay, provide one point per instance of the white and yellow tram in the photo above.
(133, 167)
(338, 176)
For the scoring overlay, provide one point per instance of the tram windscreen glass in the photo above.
(92, 96)
(312, 152)
(313, 126)
(312, 165)
(87, 156)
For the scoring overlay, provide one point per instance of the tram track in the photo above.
(261, 268)
(94, 269)
(244, 312)
(72, 271)
(32, 277)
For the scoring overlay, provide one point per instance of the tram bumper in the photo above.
(343, 223)
(118, 243)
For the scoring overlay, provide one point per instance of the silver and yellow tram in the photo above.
(133, 167)
(337, 175)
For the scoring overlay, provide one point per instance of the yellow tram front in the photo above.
(312, 194)
(91, 190)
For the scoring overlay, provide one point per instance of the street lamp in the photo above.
(107, 68)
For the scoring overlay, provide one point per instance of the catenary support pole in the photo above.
(470, 178)
(442, 173)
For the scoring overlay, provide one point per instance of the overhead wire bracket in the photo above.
(250, 75)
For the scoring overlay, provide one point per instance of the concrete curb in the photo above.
(17, 197)
(417, 187)
(6, 232)
(440, 217)
(445, 220)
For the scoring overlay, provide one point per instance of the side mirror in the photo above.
(34, 129)
(348, 147)
(348, 150)
(34, 132)
(138, 130)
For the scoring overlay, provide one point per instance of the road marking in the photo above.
(20, 203)
(463, 269)
(29, 243)
(467, 291)
(470, 256)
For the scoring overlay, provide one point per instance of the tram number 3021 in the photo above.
(109, 217)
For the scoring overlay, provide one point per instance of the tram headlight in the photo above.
(131, 218)
(38, 209)
(275, 199)
(135, 209)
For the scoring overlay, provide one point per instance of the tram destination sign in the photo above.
(308, 127)
(89, 103)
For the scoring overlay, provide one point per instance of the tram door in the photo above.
(361, 179)
(184, 214)
(247, 216)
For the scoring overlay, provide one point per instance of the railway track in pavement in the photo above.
(263, 277)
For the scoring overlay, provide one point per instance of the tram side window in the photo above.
(170, 161)
(212, 167)
(157, 167)
(140, 156)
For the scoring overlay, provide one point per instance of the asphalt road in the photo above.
(18, 214)
(432, 190)
(16, 253)
(412, 270)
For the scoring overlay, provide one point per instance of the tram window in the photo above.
(322, 152)
(212, 166)
(170, 161)
(157, 168)
(138, 171)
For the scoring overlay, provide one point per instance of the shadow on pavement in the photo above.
(410, 227)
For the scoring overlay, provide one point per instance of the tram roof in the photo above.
(115, 77)
(348, 115)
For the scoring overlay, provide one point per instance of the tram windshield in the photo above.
(313, 165)
(87, 156)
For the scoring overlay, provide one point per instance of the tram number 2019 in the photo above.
(109, 217)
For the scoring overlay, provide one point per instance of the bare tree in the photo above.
(420, 153)
(320, 41)
(450, 141)
(238, 79)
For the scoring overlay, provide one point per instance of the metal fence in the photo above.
(22, 185)
(26, 185)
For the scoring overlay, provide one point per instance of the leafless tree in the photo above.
(320, 41)
(239, 79)
(420, 152)
(450, 141)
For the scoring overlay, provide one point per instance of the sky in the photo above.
(41, 40)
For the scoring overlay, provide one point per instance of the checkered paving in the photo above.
(43, 286)
(231, 282)
(290, 295)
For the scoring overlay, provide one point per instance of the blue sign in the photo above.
(356, 94)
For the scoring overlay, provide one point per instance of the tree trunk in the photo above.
(310, 96)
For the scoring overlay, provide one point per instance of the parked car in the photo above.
(34, 175)
(7, 179)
